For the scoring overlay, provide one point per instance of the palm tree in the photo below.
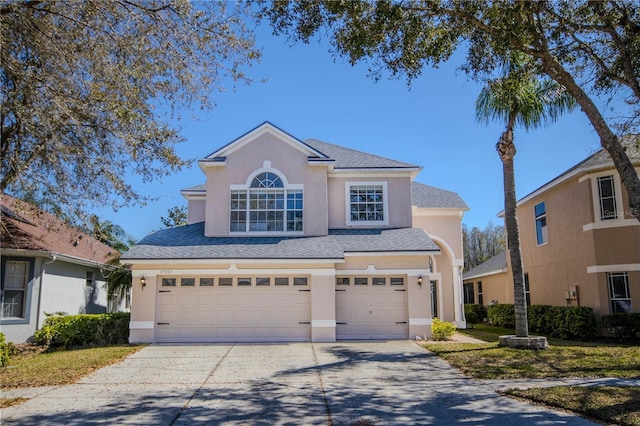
(519, 98)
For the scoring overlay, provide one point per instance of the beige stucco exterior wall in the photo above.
(243, 162)
(196, 211)
(496, 288)
(398, 194)
(575, 246)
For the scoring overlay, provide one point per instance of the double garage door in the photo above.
(273, 309)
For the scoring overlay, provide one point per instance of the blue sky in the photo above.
(310, 94)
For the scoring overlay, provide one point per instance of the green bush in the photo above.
(622, 324)
(441, 330)
(7, 350)
(83, 330)
(502, 315)
(474, 313)
(564, 322)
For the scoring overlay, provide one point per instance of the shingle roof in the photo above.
(189, 242)
(598, 160)
(430, 197)
(346, 158)
(25, 227)
(497, 263)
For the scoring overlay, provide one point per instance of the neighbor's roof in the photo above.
(430, 197)
(189, 242)
(495, 265)
(599, 160)
(346, 158)
(26, 228)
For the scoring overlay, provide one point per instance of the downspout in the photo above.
(53, 259)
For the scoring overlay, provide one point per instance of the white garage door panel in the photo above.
(233, 314)
(371, 312)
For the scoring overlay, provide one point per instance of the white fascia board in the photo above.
(392, 253)
(485, 274)
(257, 132)
(316, 272)
(377, 172)
(208, 261)
(56, 256)
(437, 211)
(193, 195)
(204, 164)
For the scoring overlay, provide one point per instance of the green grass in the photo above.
(564, 358)
(612, 405)
(60, 367)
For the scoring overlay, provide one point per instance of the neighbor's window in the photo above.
(541, 223)
(619, 292)
(468, 293)
(527, 291)
(14, 288)
(480, 295)
(607, 197)
(266, 206)
(89, 280)
(367, 203)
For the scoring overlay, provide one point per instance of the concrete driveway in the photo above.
(366, 383)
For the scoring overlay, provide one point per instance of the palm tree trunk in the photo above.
(507, 150)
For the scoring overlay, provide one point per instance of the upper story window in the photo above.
(367, 203)
(267, 205)
(607, 198)
(541, 223)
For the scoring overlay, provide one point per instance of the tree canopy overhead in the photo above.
(591, 48)
(89, 88)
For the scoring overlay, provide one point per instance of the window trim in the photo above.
(595, 199)
(625, 276)
(26, 300)
(385, 203)
(246, 188)
(544, 230)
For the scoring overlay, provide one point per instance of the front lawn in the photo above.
(60, 367)
(564, 358)
(612, 405)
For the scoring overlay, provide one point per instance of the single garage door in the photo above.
(252, 309)
(371, 308)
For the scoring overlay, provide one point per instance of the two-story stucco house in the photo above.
(300, 241)
(580, 244)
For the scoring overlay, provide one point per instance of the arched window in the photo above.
(267, 205)
(267, 180)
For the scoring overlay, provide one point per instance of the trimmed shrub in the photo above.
(474, 313)
(83, 330)
(441, 330)
(7, 350)
(564, 322)
(622, 324)
(502, 315)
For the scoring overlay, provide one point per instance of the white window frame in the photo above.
(544, 230)
(246, 188)
(385, 204)
(613, 215)
(598, 223)
(612, 298)
(23, 308)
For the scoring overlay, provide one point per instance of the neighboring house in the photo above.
(580, 244)
(489, 283)
(290, 240)
(47, 267)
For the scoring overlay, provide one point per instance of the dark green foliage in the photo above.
(474, 313)
(84, 330)
(7, 350)
(502, 315)
(563, 322)
(623, 325)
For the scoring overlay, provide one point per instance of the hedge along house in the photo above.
(300, 241)
(47, 267)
